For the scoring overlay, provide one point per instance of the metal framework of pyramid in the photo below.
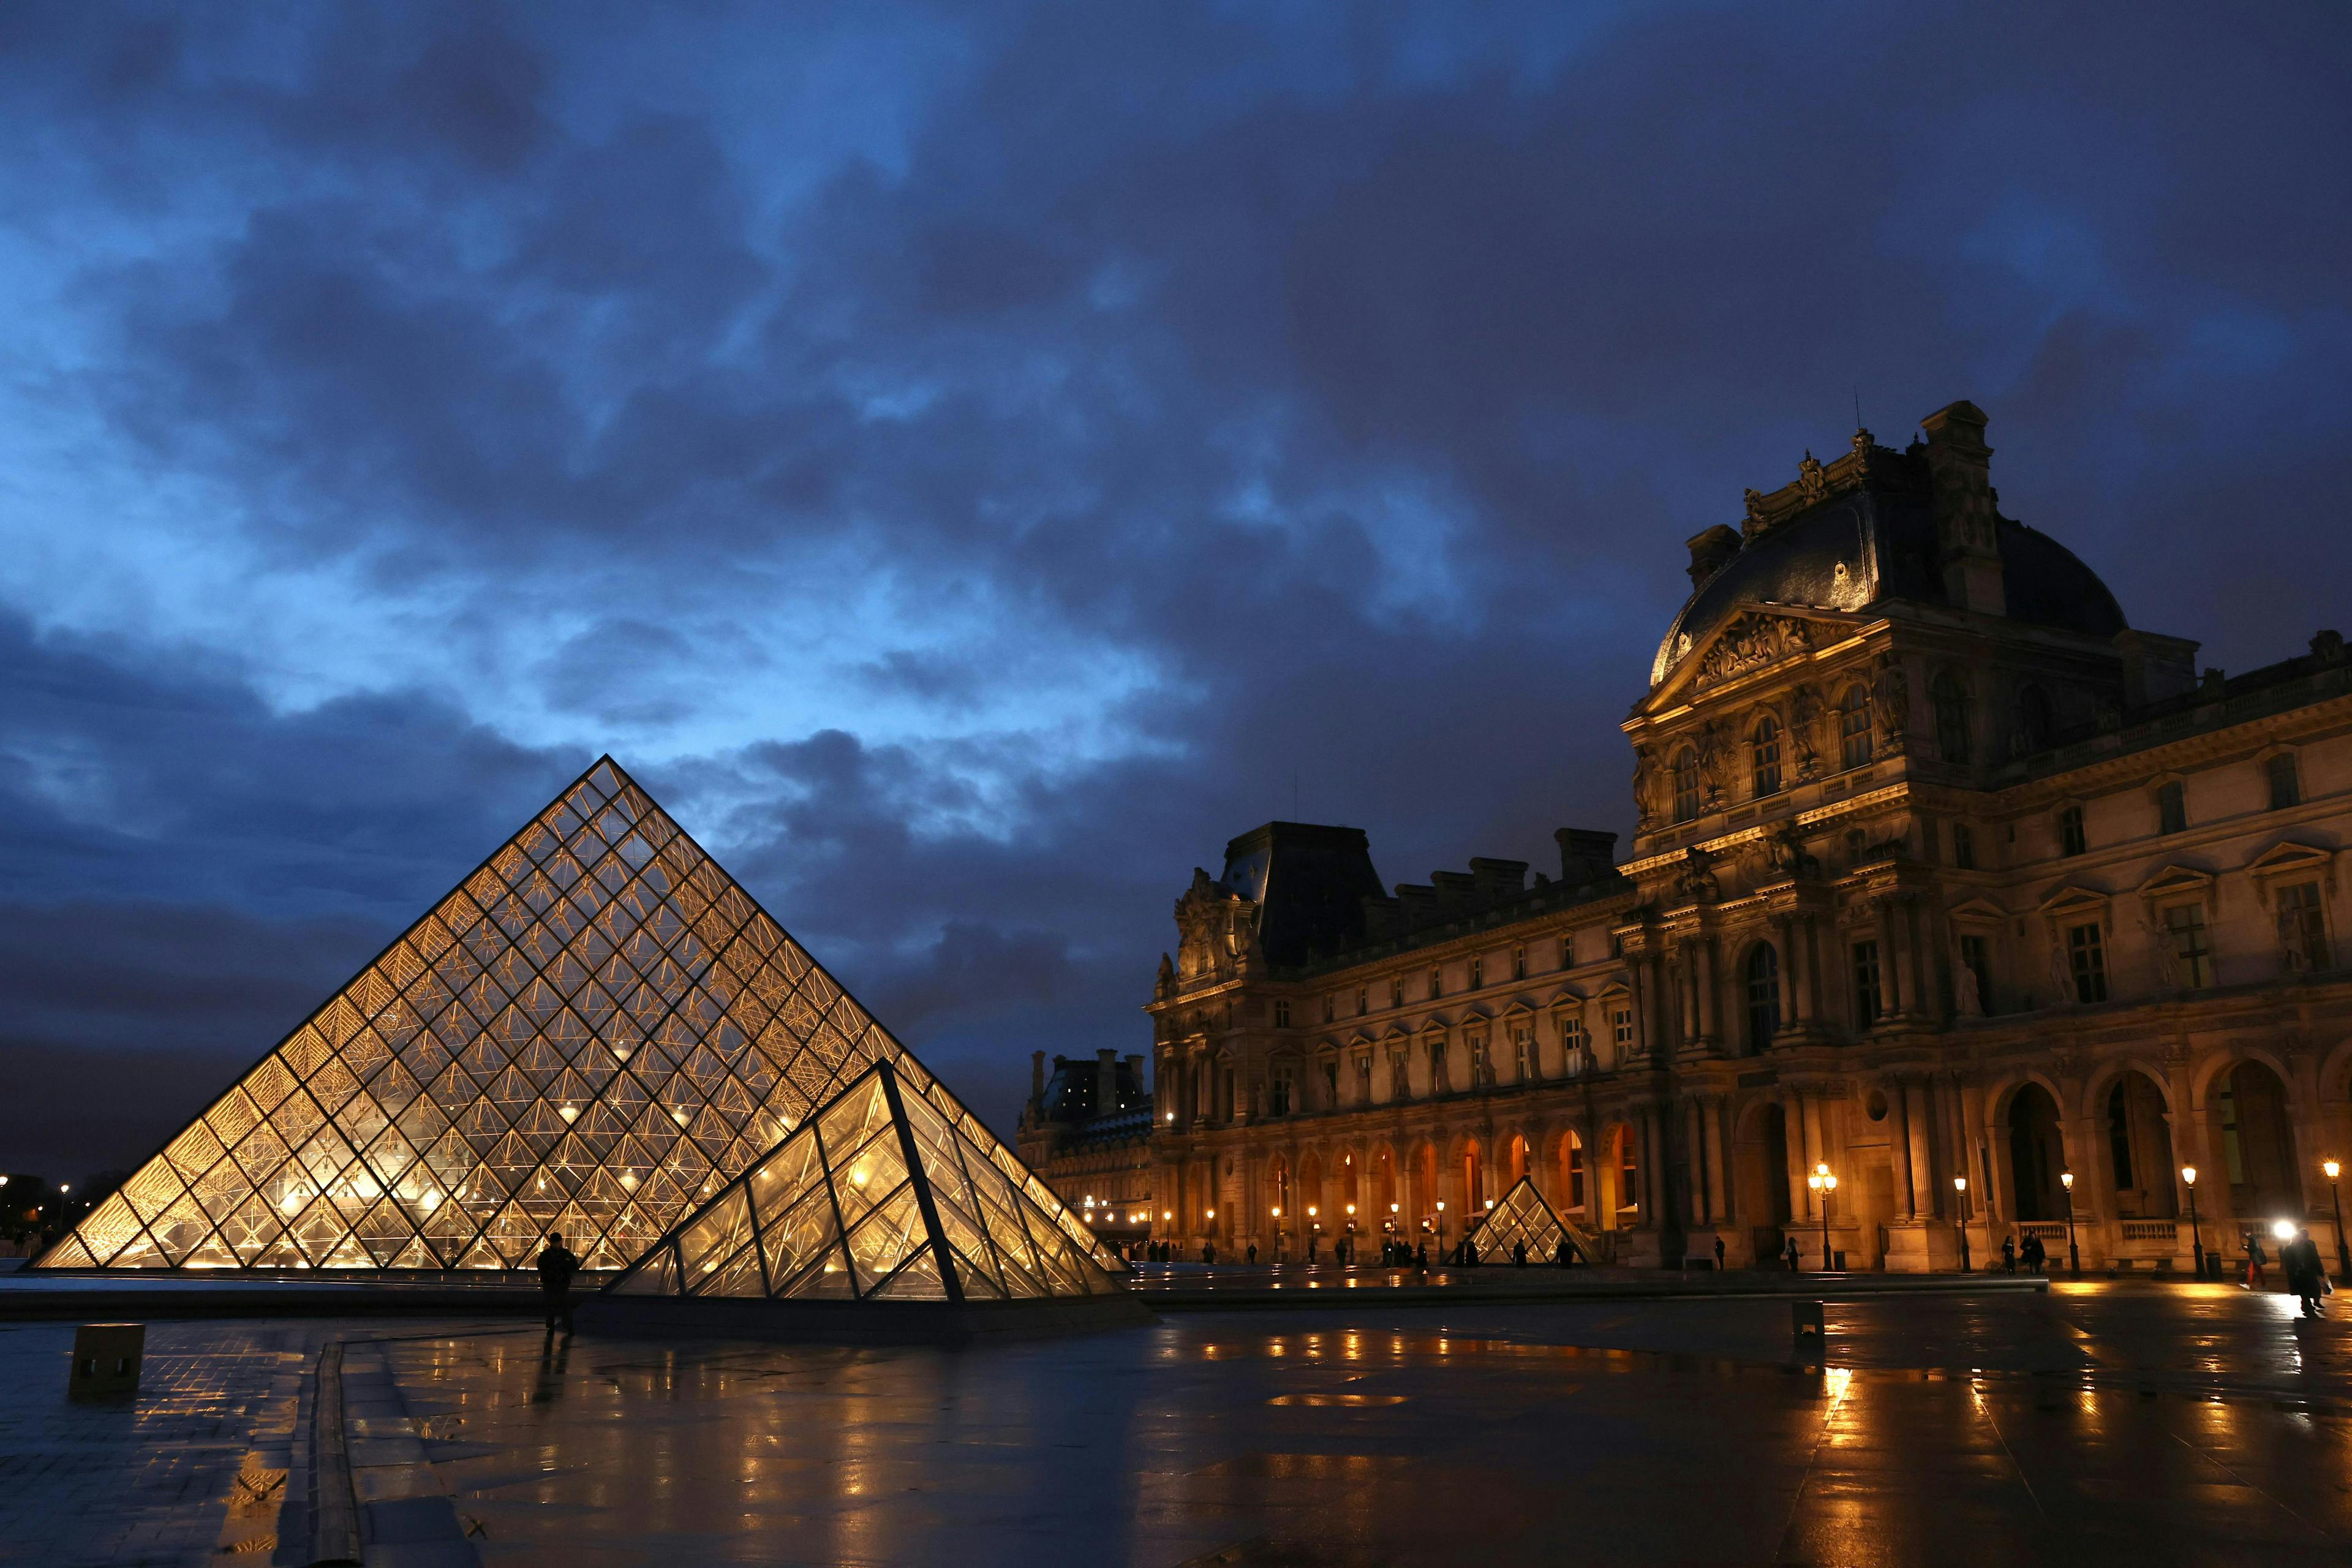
(1521, 1215)
(888, 1193)
(592, 1033)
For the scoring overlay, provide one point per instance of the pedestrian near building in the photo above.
(2306, 1275)
(1795, 1263)
(1250, 1253)
(1718, 1255)
(1519, 1254)
(2009, 1255)
(557, 1264)
(2257, 1275)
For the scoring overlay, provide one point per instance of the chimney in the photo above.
(1960, 470)
(1586, 855)
(1105, 1082)
(1036, 1077)
(1710, 551)
(1498, 880)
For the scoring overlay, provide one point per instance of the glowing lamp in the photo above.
(2189, 1175)
(2329, 1166)
(2284, 1229)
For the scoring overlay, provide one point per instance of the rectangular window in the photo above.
(1363, 1000)
(2303, 927)
(1573, 1044)
(1482, 1070)
(2286, 789)
(1519, 964)
(1976, 956)
(1523, 1051)
(1620, 1030)
(1280, 1097)
(1331, 1084)
(2192, 946)
(1400, 1076)
(1282, 1013)
(1867, 1006)
(2070, 831)
(2088, 959)
(1330, 1006)
(1437, 1073)
(1436, 982)
(1363, 1080)
(2171, 807)
(1478, 973)
(1567, 953)
(1575, 1174)
(1964, 847)
(1396, 991)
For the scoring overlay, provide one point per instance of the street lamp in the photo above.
(2343, 1253)
(1960, 1185)
(2196, 1238)
(1824, 1184)
(2074, 1254)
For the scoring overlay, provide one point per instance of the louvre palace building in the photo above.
(1942, 873)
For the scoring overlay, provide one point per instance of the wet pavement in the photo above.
(2100, 1422)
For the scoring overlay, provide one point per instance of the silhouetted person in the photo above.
(1718, 1255)
(2257, 1275)
(2306, 1275)
(556, 1266)
(1421, 1258)
(1795, 1263)
(2033, 1253)
(1250, 1253)
(2009, 1255)
(1519, 1254)
(1208, 1252)
(1470, 1252)
(1567, 1258)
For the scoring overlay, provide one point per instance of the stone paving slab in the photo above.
(2064, 1428)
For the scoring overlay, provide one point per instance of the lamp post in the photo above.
(1960, 1185)
(2196, 1238)
(1824, 1184)
(2335, 1193)
(2073, 1253)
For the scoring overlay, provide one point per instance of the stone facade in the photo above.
(1940, 871)
(1085, 1130)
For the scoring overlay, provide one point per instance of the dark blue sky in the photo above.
(970, 461)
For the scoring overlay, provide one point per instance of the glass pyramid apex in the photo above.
(1520, 1215)
(887, 1193)
(588, 1037)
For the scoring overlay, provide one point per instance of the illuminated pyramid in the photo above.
(595, 1032)
(1521, 1215)
(890, 1193)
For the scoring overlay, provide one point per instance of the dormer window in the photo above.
(1686, 784)
(1854, 727)
(1764, 753)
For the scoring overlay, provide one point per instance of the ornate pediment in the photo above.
(1747, 643)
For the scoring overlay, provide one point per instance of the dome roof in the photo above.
(1865, 547)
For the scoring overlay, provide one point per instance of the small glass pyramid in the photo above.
(592, 1033)
(1521, 1215)
(888, 1193)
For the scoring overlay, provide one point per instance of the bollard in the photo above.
(1806, 1326)
(106, 1360)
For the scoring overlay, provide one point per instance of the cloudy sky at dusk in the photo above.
(970, 461)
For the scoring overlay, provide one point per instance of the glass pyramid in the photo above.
(592, 1033)
(888, 1192)
(1521, 1215)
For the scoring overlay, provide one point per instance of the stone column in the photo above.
(1891, 1001)
(1926, 1188)
(1789, 932)
(1906, 964)
(1814, 1151)
(1704, 978)
(1898, 1148)
(1718, 1173)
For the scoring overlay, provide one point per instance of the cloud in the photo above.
(971, 463)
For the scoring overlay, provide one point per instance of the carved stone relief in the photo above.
(1751, 642)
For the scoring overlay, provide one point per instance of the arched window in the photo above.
(1854, 727)
(1764, 752)
(1952, 717)
(2032, 720)
(1686, 784)
(1763, 994)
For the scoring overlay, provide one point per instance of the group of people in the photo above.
(2307, 1274)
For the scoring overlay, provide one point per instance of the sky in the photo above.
(970, 461)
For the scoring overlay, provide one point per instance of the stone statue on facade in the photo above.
(1804, 719)
(2062, 972)
(1697, 880)
(1966, 992)
(1645, 789)
(1890, 697)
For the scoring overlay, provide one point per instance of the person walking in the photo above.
(2257, 1276)
(557, 1264)
(1795, 1263)
(1718, 1255)
(2009, 1255)
(2306, 1275)
(1421, 1259)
